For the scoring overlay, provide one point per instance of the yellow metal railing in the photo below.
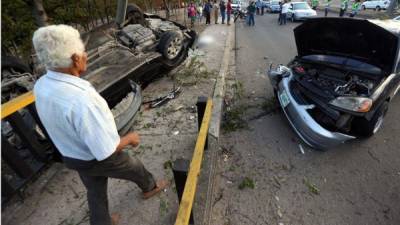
(185, 207)
(16, 104)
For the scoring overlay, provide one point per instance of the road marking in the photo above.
(185, 207)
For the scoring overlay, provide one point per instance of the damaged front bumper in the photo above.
(300, 119)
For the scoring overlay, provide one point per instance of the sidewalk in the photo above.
(167, 133)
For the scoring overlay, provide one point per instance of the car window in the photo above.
(301, 6)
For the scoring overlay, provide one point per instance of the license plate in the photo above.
(283, 97)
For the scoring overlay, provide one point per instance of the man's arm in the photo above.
(129, 139)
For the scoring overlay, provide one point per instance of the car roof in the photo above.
(390, 25)
(298, 2)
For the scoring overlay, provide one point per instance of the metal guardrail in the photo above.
(190, 183)
(26, 146)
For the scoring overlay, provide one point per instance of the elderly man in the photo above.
(80, 123)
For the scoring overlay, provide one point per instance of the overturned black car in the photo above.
(341, 83)
(120, 61)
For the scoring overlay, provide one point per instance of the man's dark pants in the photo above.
(283, 19)
(94, 175)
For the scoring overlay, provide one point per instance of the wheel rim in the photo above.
(378, 124)
(174, 48)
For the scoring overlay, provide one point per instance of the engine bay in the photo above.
(334, 82)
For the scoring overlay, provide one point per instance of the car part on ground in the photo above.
(340, 84)
(164, 99)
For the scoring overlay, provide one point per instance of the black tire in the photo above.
(134, 14)
(366, 128)
(378, 8)
(363, 7)
(172, 47)
(14, 63)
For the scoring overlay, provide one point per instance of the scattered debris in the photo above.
(311, 187)
(164, 99)
(191, 117)
(277, 198)
(246, 183)
(177, 108)
(279, 212)
(373, 156)
(175, 132)
(301, 149)
(193, 72)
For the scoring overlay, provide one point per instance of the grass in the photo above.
(193, 72)
(163, 207)
(247, 183)
(238, 89)
(311, 187)
(233, 119)
(168, 164)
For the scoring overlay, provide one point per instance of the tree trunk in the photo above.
(39, 13)
(391, 7)
(167, 12)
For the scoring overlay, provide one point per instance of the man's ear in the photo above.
(75, 59)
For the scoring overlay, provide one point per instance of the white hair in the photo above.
(55, 44)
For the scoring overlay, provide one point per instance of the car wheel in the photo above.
(378, 8)
(13, 68)
(172, 48)
(364, 128)
(134, 14)
(363, 7)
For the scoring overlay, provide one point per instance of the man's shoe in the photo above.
(160, 185)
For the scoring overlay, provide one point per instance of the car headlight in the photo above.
(356, 104)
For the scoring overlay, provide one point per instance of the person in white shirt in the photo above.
(285, 9)
(80, 123)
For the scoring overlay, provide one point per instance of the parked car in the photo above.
(300, 11)
(340, 85)
(128, 58)
(236, 5)
(274, 7)
(375, 4)
(266, 3)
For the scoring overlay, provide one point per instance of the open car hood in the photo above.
(353, 38)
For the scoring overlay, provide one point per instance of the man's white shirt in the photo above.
(77, 119)
(285, 7)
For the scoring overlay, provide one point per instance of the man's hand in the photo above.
(134, 139)
(129, 139)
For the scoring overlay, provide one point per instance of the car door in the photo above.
(368, 4)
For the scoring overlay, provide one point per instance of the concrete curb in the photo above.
(215, 126)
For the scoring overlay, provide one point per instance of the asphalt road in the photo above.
(355, 183)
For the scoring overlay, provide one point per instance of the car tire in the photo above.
(378, 8)
(134, 14)
(363, 7)
(8, 63)
(172, 47)
(366, 128)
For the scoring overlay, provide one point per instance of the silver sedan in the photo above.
(300, 11)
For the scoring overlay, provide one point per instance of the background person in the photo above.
(314, 4)
(327, 5)
(251, 10)
(216, 9)
(222, 9)
(192, 13)
(355, 8)
(80, 123)
(343, 7)
(285, 9)
(228, 12)
(207, 11)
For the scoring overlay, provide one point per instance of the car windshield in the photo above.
(235, 2)
(301, 6)
(275, 3)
